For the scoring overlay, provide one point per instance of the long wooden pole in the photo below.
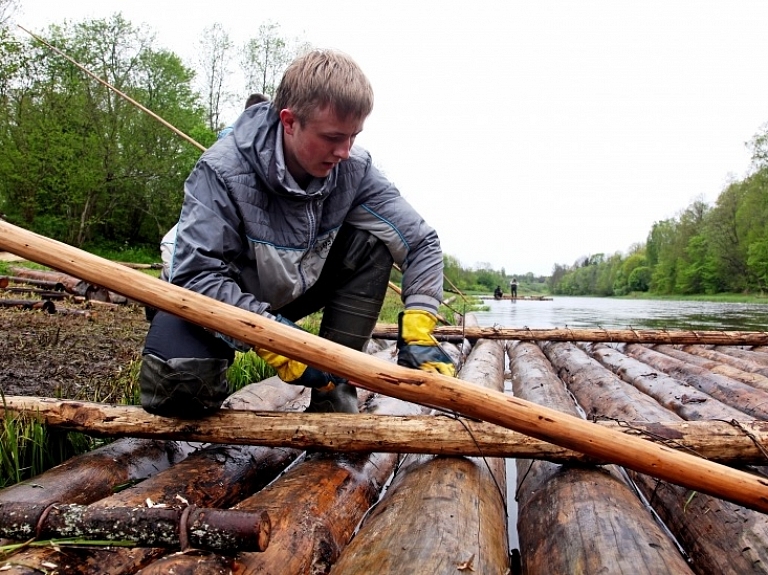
(116, 91)
(429, 389)
(389, 331)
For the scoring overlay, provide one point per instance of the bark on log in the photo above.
(703, 525)
(72, 284)
(579, 519)
(730, 370)
(220, 530)
(729, 391)
(457, 506)
(718, 440)
(433, 390)
(389, 331)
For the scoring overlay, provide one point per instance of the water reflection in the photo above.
(582, 312)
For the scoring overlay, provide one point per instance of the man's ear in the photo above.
(288, 120)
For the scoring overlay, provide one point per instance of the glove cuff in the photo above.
(287, 369)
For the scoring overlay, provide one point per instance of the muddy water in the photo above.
(580, 312)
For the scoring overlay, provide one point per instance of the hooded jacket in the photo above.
(249, 236)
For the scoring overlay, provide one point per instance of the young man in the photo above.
(285, 217)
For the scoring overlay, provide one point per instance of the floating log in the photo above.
(219, 530)
(389, 331)
(731, 392)
(28, 304)
(746, 362)
(567, 516)
(759, 357)
(720, 441)
(674, 394)
(755, 379)
(704, 526)
(457, 506)
(433, 390)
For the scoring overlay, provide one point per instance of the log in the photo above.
(389, 331)
(720, 441)
(44, 294)
(752, 354)
(218, 530)
(703, 525)
(72, 284)
(579, 519)
(674, 394)
(755, 379)
(28, 304)
(746, 361)
(457, 506)
(45, 284)
(731, 392)
(432, 390)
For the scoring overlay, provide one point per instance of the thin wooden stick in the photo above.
(429, 389)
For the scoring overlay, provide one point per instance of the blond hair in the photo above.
(324, 77)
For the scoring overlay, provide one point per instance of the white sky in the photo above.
(528, 133)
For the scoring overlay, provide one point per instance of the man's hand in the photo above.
(417, 348)
(295, 372)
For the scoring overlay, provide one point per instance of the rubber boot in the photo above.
(185, 387)
(341, 399)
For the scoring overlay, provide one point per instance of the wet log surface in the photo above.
(461, 520)
(580, 519)
(740, 395)
(718, 537)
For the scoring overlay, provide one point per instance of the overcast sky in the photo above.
(528, 133)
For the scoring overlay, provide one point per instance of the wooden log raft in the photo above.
(734, 393)
(704, 526)
(456, 506)
(389, 331)
(219, 530)
(579, 519)
(739, 359)
(433, 390)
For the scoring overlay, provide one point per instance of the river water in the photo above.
(583, 312)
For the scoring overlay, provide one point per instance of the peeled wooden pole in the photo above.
(433, 390)
(389, 331)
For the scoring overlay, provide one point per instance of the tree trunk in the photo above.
(703, 525)
(579, 519)
(739, 359)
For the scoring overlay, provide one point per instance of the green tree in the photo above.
(265, 58)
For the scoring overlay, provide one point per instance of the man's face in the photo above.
(313, 149)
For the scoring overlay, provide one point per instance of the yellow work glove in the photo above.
(417, 348)
(297, 373)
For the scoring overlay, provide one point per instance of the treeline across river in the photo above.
(706, 249)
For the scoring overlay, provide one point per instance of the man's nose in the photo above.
(342, 150)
